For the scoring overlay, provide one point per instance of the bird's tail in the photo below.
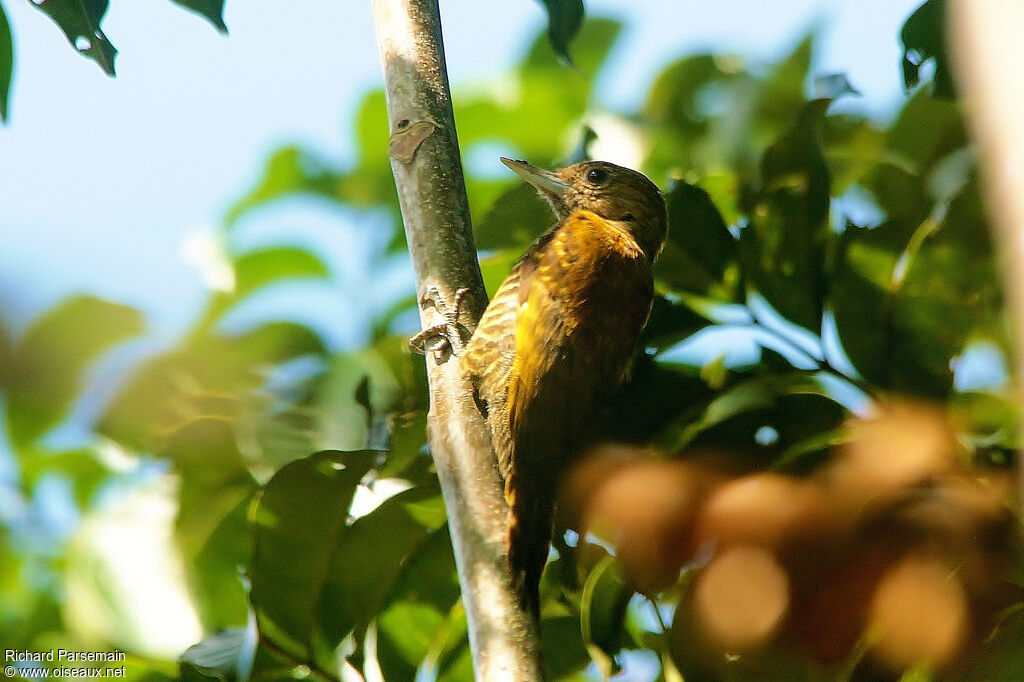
(529, 537)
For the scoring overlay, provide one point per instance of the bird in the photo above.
(558, 338)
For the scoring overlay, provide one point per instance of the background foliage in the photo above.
(850, 259)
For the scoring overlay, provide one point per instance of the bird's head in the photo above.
(619, 195)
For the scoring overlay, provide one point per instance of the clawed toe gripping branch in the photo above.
(445, 336)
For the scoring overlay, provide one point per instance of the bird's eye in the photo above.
(597, 176)
(628, 217)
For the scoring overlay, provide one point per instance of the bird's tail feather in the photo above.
(529, 537)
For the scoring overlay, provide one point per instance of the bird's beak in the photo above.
(547, 182)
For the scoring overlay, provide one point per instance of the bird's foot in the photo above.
(443, 337)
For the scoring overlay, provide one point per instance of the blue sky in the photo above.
(103, 180)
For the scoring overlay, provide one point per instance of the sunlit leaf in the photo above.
(213, 10)
(46, 370)
(80, 20)
(6, 62)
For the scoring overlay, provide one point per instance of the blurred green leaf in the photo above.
(213, 10)
(290, 170)
(564, 20)
(297, 523)
(924, 38)
(6, 356)
(670, 322)
(515, 219)
(45, 372)
(603, 603)
(83, 469)
(211, 527)
(210, 376)
(6, 62)
(80, 20)
(256, 269)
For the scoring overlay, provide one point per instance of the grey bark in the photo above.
(425, 160)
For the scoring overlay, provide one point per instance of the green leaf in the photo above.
(564, 20)
(415, 624)
(783, 247)
(369, 557)
(80, 20)
(517, 218)
(603, 604)
(48, 362)
(297, 524)
(795, 405)
(924, 38)
(213, 10)
(699, 232)
(83, 469)
(218, 657)
(6, 62)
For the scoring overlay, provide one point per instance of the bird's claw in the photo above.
(448, 334)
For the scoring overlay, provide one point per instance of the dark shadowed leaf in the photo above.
(213, 10)
(80, 20)
(564, 20)
(6, 62)
(48, 362)
(697, 229)
(783, 248)
(794, 406)
(563, 647)
(653, 397)
(924, 38)
(297, 523)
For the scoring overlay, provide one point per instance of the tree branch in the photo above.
(988, 57)
(424, 152)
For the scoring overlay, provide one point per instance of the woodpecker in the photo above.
(558, 338)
